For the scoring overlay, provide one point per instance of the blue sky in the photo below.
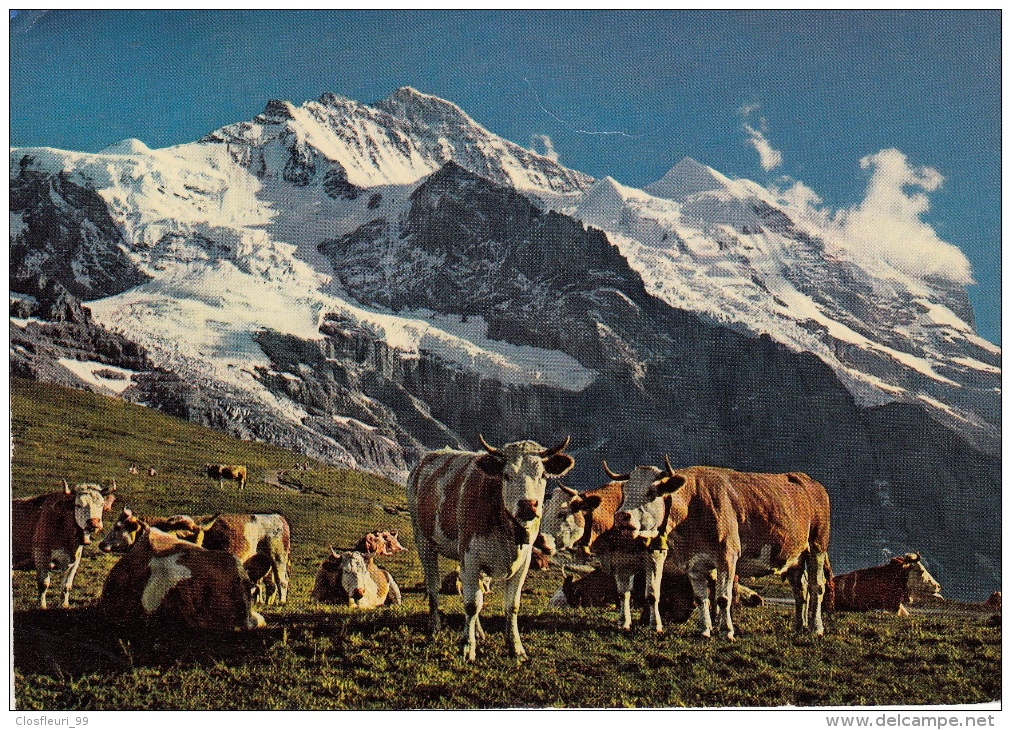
(779, 97)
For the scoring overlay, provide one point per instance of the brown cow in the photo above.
(249, 535)
(887, 587)
(49, 532)
(574, 521)
(352, 578)
(484, 510)
(740, 523)
(162, 579)
(993, 602)
(236, 473)
(379, 543)
(599, 589)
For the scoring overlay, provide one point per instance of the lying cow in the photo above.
(353, 579)
(49, 532)
(890, 587)
(261, 542)
(677, 601)
(451, 585)
(165, 580)
(379, 543)
(221, 472)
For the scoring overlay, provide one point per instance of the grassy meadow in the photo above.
(312, 656)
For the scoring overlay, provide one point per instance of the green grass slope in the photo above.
(312, 656)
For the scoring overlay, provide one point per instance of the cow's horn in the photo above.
(66, 487)
(333, 551)
(666, 461)
(488, 447)
(552, 451)
(615, 477)
(568, 490)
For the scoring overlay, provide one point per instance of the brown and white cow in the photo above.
(484, 510)
(740, 523)
(902, 580)
(574, 520)
(221, 472)
(622, 556)
(163, 579)
(352, 578)
(49, 532)
(261, 542)
(380, 543)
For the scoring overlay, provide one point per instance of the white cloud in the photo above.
(770, 158)
(888, 222)
(546, 145)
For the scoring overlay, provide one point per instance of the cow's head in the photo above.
(562, 522)
(920, 584)
(524, 468)
(123, 534)
(354, 575)
(392, 542)
(642, 512)
(90, 502)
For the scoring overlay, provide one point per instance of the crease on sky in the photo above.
(572, 128)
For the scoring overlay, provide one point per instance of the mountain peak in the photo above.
(126, 147)
(686, 178)
(409, 103)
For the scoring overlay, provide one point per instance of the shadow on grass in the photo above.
(79, 641)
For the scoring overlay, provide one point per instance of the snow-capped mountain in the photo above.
(727, 250)
(362, 282)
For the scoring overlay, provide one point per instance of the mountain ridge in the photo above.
(363, 283)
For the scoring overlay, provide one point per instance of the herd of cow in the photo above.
(676, 540)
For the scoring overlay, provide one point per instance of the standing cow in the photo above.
(484, 510)
(49, 532)
(573, 520)
(221, 472)
(744, 524)
(261, 542)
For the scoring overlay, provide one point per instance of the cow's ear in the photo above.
(669, 485)
(588, 504)
(559, 465)
(491, 464)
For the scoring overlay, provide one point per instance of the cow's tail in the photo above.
(829, 602)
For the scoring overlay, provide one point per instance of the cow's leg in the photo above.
(513, 590)
(68, 582)
(221, 483)
(624, 579)
(654, 580)
(798, 581)
(473, 601)
(279, 569)
(42, 582)
(429, 557)
(816, 583)
(698, 574)
(725, 594)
